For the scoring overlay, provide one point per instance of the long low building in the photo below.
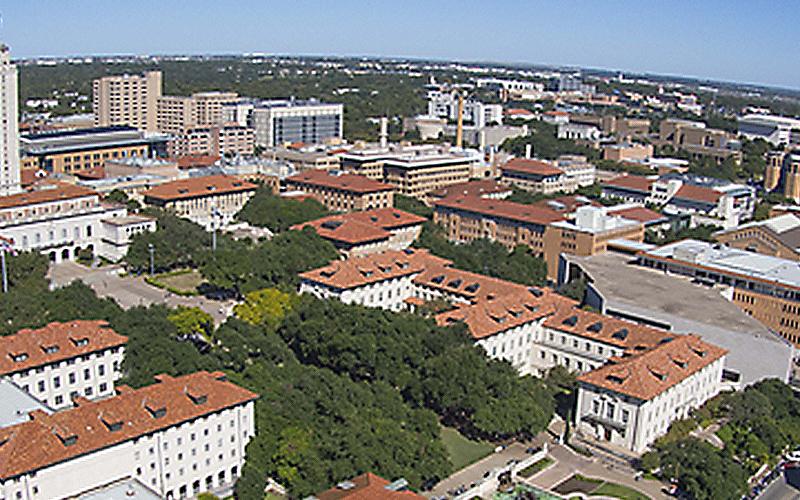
(60, 220)
(778, 236)
(566, 174)
(533, 329)
(653, 298)
(179, 437)
(765, 287)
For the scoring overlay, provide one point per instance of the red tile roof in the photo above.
(566, 204)
(640, 214)
(373, 268)
(194, 187)
(556, 113)
(29, 176)
(472, 188)
(363, 226)
(366, 487)
(344, 182)
(55, 342)
(490, 317)
(196, 161)
(91, 174)
(635, 182)
(50, 192)
(519, 112)
(631, 337)
(534, 167)
(698, 193)
(46, 440)
(501, 208)
(653, 372)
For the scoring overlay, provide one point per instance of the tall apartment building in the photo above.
(9, 132)
(177, 438)
(282, 122)
(127, 100)
(62, 361)
(783, 173)
(765, 287)
(176, 114)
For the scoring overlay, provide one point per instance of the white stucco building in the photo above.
(179, 437)
(59, 220)
(64, 360)
(631, 401)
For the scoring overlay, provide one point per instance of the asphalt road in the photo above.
(132, 291)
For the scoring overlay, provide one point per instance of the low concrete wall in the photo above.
(488, 485)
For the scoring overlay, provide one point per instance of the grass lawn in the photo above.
(619, 491)
(462, 451)
(536, 467)
(187, 281)
(597, 487)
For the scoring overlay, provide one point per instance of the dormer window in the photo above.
(595, 327)
(112, 424)
(455, 283)
(80, 342)
(156, 410)
(19, 357)
(50, 349)
(438, 279)
(620, 334)
(197, 397)
(571, 321)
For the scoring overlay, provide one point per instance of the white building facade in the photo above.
(64, 360)
(179, 437)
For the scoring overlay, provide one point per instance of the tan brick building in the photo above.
(127, 100)
(778, 237)
(546, 232)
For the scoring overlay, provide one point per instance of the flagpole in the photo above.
(5, 276)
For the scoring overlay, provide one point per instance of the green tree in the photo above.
(412, 205)
(265, 209)
(265, 307)
(190, 321)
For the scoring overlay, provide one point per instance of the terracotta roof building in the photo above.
(368, 231)
(486, 188)
(631, 401)
(343, 192)
(62, 360)
(117, 437)
(368, 486)
(209, 200)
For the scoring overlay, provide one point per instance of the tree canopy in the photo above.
(265, 209)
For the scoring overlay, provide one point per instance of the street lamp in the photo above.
(151, 249)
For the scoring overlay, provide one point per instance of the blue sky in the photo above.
(736, 40)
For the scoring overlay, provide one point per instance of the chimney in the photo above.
(384, 132)
(528, 150)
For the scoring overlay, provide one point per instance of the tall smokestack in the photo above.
(528, 149)
(460, 128)
(384, 132)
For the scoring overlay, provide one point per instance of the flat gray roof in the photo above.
(674, 302)
(15, 404)
(731, 260)
(127, 489)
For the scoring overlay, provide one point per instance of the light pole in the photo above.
(151, 249)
